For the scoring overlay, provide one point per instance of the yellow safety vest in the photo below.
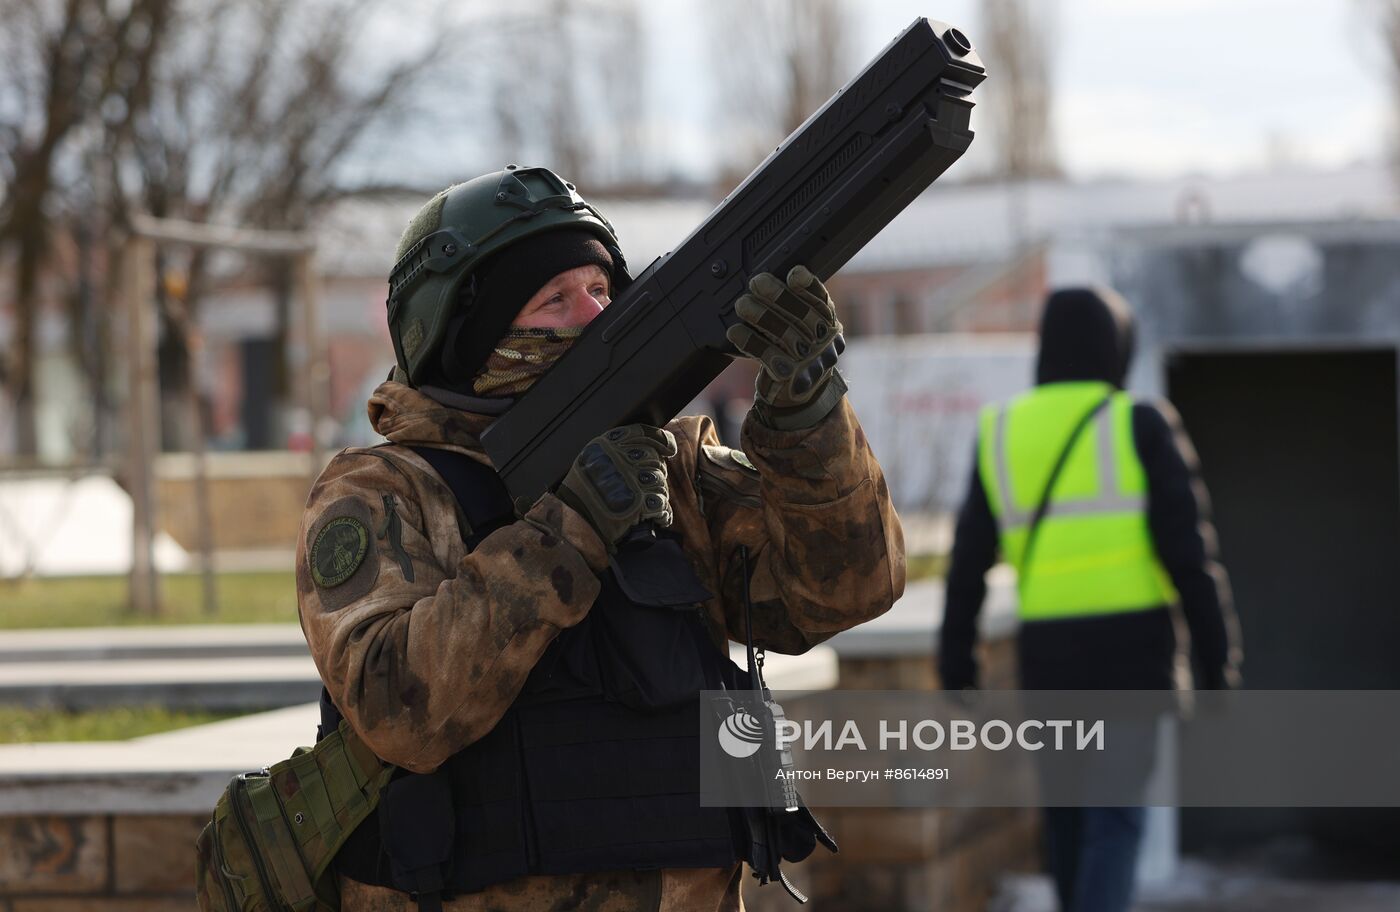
(1093, 554)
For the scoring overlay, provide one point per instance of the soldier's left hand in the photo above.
(791, 329)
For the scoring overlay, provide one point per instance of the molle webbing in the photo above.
(275, 833)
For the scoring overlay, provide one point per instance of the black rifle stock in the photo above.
(816, 200)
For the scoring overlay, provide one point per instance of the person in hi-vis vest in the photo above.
(1124, 550)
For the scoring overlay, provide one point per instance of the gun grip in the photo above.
(639, 536)
(653, 570)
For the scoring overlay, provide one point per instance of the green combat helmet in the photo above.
(459, 228)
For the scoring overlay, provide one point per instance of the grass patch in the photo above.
(244, 598)
(24, 725)
(101, 601)
(923, 566)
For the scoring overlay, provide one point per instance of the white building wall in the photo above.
(918, 398)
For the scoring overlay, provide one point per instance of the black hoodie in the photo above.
(1087, 334)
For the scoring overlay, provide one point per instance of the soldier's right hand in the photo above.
(618, 481)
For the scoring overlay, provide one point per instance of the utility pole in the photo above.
(143, 420)
(318, 371)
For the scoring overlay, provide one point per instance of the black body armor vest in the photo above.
(594, 767)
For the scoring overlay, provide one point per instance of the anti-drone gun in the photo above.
(816, 200)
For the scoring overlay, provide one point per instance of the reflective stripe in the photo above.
(1009, 514)
(1108, 462)
(1099, 506)
(1109, 499)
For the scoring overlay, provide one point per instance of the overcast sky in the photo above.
(1143, 87)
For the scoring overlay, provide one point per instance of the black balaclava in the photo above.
(497, 290)
(1085, 334)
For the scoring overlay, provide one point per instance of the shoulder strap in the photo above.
(1044, 506)
(479, 491)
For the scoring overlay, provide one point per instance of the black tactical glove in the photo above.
(792, 329)
(619, 481)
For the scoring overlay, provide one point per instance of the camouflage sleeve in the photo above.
(825, 547)
(422, 646)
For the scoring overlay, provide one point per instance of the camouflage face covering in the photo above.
(520, 358)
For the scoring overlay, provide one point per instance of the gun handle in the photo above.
(639, 536)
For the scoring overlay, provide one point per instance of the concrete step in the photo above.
(177, 772)
(911, 625)
(907, 627)
(266, 666)
(184, 771)
(218, 684)
(241, 683)
(83, 644)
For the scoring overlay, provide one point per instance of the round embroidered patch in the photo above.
(338, 551)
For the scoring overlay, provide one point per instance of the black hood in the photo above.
(1085, 334)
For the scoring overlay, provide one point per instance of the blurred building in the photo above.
(976, 258)
(961, 259)
(943, 305)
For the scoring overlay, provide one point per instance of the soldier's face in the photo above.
(570, 299)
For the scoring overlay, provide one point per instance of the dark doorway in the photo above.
(257, 413)
(1299, 451)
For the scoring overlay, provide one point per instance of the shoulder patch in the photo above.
(726, 457)
(338, 551)
(340, 562)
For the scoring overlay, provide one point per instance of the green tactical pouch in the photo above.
(274, 833)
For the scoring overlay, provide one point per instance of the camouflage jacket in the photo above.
(423, 646)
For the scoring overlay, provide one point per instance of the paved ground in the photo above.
(1283, 877)
(1208, 889)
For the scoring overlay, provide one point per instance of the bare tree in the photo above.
(776, 62)
(243, 111)
(253, 112)
(1387, 19)
(622, 83)
(567, 88)
(75, 65)
(257, 108)
(1015, 43)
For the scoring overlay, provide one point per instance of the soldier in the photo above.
(539, 703)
